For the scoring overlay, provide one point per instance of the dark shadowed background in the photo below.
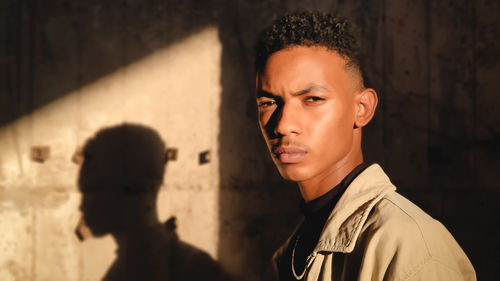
(434, 64)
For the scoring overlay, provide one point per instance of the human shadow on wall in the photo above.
(121, 173)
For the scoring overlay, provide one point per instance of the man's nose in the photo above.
(288, 120)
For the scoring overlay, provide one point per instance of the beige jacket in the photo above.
(373, 233)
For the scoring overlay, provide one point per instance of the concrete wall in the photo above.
(184, 68)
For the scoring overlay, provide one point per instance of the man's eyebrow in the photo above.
(261, 93)
(310, 88)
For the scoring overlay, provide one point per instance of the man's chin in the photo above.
(292, 174)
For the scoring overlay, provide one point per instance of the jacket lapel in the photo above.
(344, 224)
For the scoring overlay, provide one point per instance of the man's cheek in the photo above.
(263, 121)
(263, 117)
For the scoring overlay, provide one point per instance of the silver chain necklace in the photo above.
(298, 277)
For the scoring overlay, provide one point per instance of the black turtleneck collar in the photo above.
(330, 198)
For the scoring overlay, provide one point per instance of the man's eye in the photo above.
(314, 99)
(264, 104)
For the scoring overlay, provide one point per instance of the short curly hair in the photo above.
(307, 28)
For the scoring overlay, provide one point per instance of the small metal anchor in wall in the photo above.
(40, 154)
(204, 157)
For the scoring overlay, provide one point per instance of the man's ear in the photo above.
(366, 102)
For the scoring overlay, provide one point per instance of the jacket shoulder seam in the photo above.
(414, 221)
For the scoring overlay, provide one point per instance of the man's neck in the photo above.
(316, 187)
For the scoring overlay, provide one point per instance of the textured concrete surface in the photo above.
(184, 68)
(174, 90)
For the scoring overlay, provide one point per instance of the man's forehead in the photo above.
(311, 87)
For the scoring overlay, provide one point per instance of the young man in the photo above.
(312, 105)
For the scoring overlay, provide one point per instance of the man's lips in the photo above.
(289, 154)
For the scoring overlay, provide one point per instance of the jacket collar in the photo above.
(344, 224)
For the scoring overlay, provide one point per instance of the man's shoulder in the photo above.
(398, 227)
(402, 220)
(395, 224)
(395, 210)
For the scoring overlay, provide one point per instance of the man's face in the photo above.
(306, 108)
